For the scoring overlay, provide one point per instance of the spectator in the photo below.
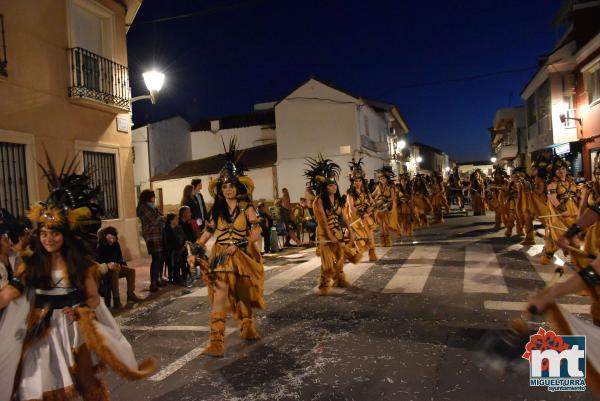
(266, 222)
(188, 200)
(286, 202)
(188, 226)
(152, 226)
(309, 224)
(20, 234)
(199, 212)
(109, 252)
(173, 243)
(283, 222)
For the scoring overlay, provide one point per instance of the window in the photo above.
(531, 110)
(13, 178)
(102, 170)
(3, 61)
(593, 84)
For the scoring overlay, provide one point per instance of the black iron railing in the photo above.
(3, 61)
(102, 170)
(97, 78)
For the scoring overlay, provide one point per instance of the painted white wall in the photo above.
(173, 189)
(141, 163)
(169, 142)
(206, 144)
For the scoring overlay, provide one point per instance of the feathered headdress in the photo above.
(321, 172)
(558, 162)
(356, 170)
(387, 172)
(232, 171)
(72, 203)
(499, 173)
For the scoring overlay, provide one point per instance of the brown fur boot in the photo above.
(216, 345)
(341, 281)
(546, 258)
(372, 255)
(248, 329)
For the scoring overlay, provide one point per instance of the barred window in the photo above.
(593, 84)
(102, 170)
(3, 61)
(13, 178)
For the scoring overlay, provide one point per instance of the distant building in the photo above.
(509, 137)
(554, 97)
(64, 86)
(315, 118)
(427, 159)
(466, 168)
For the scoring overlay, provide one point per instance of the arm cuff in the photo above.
(590, 277)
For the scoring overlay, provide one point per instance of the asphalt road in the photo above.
(411, 328)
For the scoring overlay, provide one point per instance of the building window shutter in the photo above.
(101, 168)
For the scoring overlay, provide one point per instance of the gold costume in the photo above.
(566, 192)
(405, 210)
(361, 223)
(438, 200)
(386, 212)
(525, 207)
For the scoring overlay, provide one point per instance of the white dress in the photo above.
(49, 359)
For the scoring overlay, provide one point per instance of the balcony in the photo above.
(375, 146)
(99, 82)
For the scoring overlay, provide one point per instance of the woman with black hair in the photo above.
(173, 245)
(53, 299)
(386, 210)
(328, 209)
(359, 207)
(234, 273)
(563, 206)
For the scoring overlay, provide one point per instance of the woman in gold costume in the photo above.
(525, 204)
(511, 213)
(234, 274)
(406, 214)
(421, 202)
(358, 209)
(438, 198)
(563, 206)
(477, 189)
(590, 196)
(497, 195)
(385, 205)
(323, 174)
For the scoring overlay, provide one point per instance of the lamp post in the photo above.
(154, 81)
(493, 160)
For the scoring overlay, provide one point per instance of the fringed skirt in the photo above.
(243, 272)
(48, 367)
(388, 218)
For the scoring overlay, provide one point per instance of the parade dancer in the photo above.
(539, 200)
(385, 205)
(421, 202)
(525, 204)
(56, 332)
(498, 195)
(323, 174)
(405, 205)
(563, 206)
(234, 273)
(590, 196)
(477, 189)
(438, 198)
(511, 215)
(358, 209)
(455, 190)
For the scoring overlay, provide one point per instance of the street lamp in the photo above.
(419, 159)
(154, 81)
(493, 159)
(401, 144)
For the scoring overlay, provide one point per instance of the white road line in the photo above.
(412, 275)
(355, 271)
(180, 362)
(546, 272)
(482, 270)
(293, 273)
(165, 328)
(520, 306)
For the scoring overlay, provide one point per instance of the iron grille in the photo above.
(3, 61)
(102, 171)
(97, 78)
(13, 179)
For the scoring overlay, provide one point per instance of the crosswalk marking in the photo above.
(413, 274)
(293, 273)
(520, 306)
(546, 272)
(355, 271)
(482, 270)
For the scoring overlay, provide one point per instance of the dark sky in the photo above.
(244, 52)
